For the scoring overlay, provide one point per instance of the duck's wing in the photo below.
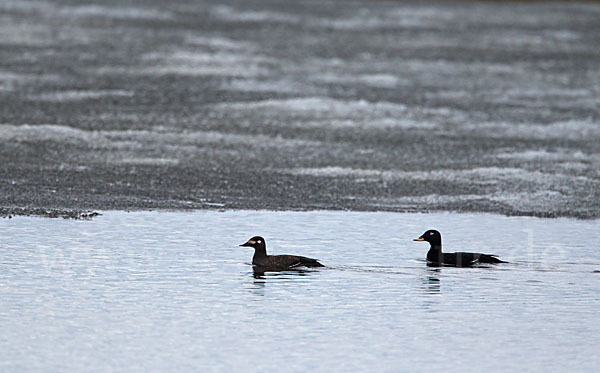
(489, 258)
(309, 262)
(463, 259)
(281, 261)
(460, 259)
(292, 261)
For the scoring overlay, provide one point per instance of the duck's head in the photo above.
(432, 236)
(257, 242)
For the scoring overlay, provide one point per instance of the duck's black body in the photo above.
(460, 259)
(277, 262)
(436, 257)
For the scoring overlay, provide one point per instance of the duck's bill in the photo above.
(245, 244)
(249, 243)
(419, 239)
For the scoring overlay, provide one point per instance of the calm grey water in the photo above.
(152, 291)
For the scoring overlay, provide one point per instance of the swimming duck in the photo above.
(277, 262)
(460, 259)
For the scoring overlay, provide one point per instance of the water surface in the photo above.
(157, 291)
(363, 105)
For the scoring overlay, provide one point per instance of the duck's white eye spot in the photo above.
(259, 241)
(431, 233)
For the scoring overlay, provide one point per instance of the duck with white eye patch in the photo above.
(435, 256)
(277, 262)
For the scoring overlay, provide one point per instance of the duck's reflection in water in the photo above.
(431, 282)
(431, 286)
(262, 273)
